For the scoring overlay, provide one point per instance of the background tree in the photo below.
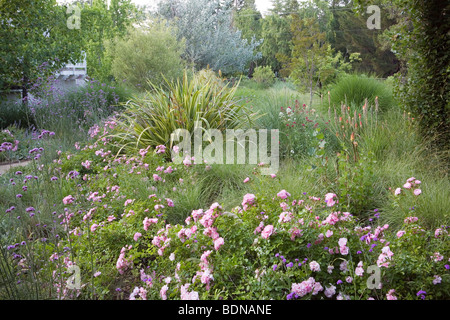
(276, 46)
(308, 53)
(103, 21)
(313, 63)
(284, 8)
(147, 54)
(248, 20)
(349, 33)
(36, 42)
(211, 40)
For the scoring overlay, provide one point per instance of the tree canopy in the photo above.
(35, 41)
(206, 26)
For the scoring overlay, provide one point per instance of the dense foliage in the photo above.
(210, 38)
(36, 42)
(150, 54)
(421, 39)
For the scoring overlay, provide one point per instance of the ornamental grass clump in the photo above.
(150, 121)
(355, 89)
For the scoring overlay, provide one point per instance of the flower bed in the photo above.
(124, 222)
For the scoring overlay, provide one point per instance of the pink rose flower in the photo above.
(169, 202)
(283, 194)
(163, 292)
(218, 243)
(160, 149)
(390, 295)
(359, 269)
(329, 199)
(400, 233)
(148, 222)
(267, 232)
(314, 266)
(249, 199)
(68, 200)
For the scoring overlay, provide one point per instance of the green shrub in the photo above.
(353, 90)
(150, 54)
(15, 113)
(264, 76)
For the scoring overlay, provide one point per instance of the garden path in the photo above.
(6, 166)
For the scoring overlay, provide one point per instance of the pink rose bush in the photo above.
(349, 250)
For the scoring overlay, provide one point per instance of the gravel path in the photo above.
(6, 167)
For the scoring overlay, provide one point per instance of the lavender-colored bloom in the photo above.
(421, 294)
